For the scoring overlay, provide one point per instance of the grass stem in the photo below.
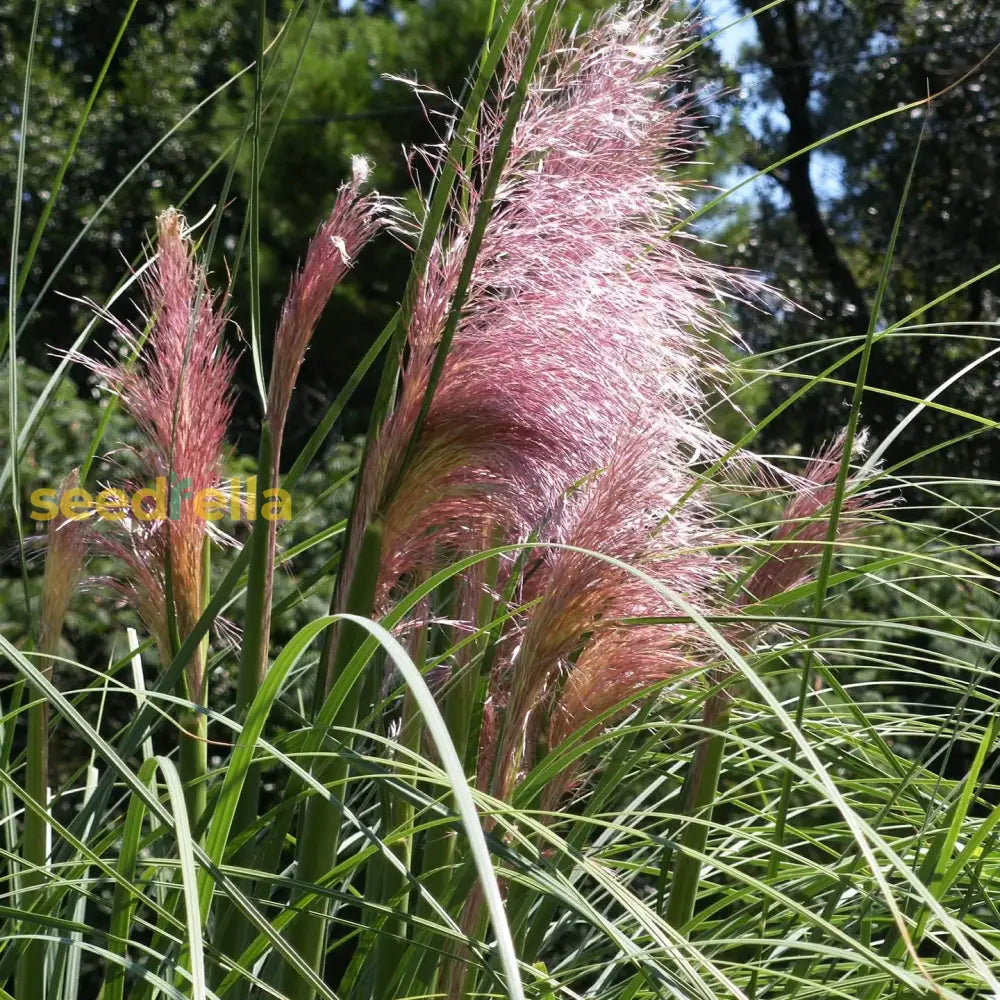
(702, 791)
(319, 839)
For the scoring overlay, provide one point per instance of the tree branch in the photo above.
(778, 29)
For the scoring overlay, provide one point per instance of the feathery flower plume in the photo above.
(180, 395)
(66, 549)
(611, 665)
(797, 545)
(577, 656)
(582, 317)
(354, 220)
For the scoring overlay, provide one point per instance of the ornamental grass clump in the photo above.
(541, 541)
(529, 369)
(553, 400)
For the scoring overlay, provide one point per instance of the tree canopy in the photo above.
(819, 227)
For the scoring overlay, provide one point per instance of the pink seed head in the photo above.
(583, 317)
(354, 220)
(180, 394)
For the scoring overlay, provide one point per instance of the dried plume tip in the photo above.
(67, 548)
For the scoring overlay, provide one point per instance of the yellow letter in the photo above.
(279, 508)
(75, 505)
(209, 505)
(252, 498)
(235, 500)
(159, 497)
(43, 505)
(111, 505)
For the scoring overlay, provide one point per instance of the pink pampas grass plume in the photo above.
(577, 655)
(621, 663)
(180, 395)
(796, 547)
(583, 317)
(585, 320)
(353, 221)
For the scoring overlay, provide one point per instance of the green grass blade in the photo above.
(124, 902)
(438, 730)
(194, 950)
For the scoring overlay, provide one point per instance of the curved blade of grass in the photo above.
(118, 766)
(13, 278)
(194, 952)
(438, 730)
(124, 903)
(71, 980)
(239, 763)
(254, 205)
(928, 401)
